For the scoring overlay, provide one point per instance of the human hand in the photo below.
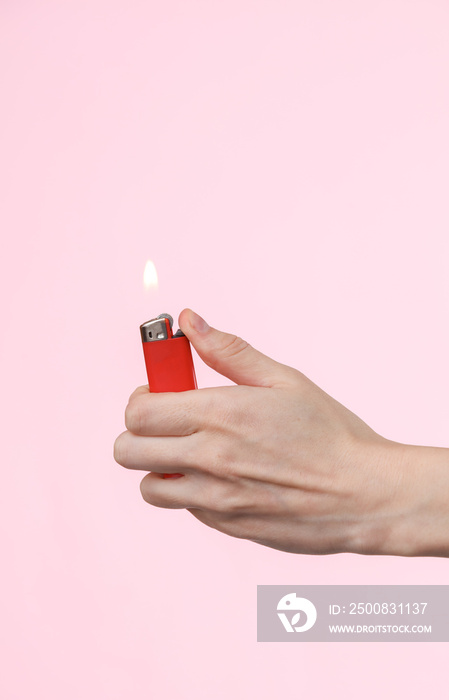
(278, 461)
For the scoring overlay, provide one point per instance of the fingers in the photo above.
(165, 455)
(196, 490)
(177, 413)
(169, 493)
(218, 497)
(163, 414)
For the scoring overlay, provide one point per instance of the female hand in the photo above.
(278, 461)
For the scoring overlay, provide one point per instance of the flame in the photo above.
(150, 276)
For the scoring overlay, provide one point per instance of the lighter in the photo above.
(168, 358)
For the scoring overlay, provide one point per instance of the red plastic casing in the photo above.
(170, 367)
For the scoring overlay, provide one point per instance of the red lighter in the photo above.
(168, 358)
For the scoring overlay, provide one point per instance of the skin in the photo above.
(277, 461)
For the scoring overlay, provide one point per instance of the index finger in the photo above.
(167, 414)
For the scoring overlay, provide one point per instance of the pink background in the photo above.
(285, 164)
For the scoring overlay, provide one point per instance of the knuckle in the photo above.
(215, 501)
(190, 455)
(210, 408)
(138, 392)
(134, 417)
(233, 346)
(216, 460)
(224, 499)
(222, 408)
(120, 451)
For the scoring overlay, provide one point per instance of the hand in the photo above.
(278, 461)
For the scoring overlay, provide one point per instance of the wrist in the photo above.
(413, 517)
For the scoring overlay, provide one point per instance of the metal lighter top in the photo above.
(159, 328)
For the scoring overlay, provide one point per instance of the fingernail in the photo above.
(199, 323)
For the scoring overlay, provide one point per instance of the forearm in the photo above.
(416, 521)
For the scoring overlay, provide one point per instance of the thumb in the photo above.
(230, 355)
